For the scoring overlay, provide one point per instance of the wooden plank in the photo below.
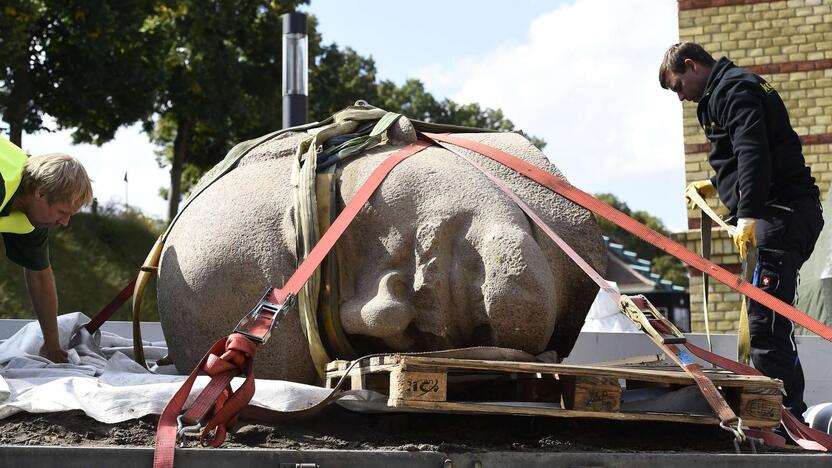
(337, 365)
(556, 411)
(633, 360)
(663, 376)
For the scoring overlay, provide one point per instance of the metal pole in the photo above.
(295, 70)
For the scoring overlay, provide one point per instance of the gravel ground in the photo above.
(337, 428)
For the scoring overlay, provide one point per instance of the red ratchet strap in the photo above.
(726, 415)
(803, 435)
(110, 308)
(565, 189)
(234, 355)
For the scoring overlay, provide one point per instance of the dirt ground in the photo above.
(339, 429)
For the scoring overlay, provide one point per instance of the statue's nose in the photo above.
(386, 315)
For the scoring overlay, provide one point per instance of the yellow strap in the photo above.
(307, 217)
(697, 199)
(743, 332)
(149, 267)
(328, 317)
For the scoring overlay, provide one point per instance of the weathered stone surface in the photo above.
(439, 258)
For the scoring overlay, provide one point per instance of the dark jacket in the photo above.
(755, 152)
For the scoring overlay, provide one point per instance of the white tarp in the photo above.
(605, 316)
(104, 382)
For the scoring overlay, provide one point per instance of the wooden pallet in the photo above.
(538, 389)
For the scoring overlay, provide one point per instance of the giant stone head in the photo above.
(439, 258)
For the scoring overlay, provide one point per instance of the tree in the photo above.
(90, 65)
(667, 266)
(221, 80)
(220, 84)
(338, 78)
(413, 100)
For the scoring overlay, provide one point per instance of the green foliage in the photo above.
(92, 260)
(337, 79)
(201, 75)
(90, 65)
(222, 63)
(412, 100)
(670, 268)
(665, 265)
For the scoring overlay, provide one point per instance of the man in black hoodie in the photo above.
(763, 180)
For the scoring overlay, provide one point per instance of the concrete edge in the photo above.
(130, 457)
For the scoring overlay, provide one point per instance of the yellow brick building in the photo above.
(789, 43)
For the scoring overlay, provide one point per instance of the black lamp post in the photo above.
(295, 70)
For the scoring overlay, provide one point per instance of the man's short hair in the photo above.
(674, 59)
(59, 176)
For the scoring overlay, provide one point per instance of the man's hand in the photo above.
(53, 352)
(41, 287)
(703, 187)
(743, 235)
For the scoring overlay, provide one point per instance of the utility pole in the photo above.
(295, 70)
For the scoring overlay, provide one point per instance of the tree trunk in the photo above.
(18, 99)
(180, 155)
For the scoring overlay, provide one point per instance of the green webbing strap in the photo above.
(360, 144)
(306, 207)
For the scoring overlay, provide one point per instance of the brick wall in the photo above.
(789, 43)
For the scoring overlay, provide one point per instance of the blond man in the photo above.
(36, 194)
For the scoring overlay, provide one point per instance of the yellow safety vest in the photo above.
(12, 160)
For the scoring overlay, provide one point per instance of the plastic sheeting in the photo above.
(102, 380)
(605, 316)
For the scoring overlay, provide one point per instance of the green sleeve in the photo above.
(30, 250)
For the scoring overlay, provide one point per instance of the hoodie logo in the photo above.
(767, 88)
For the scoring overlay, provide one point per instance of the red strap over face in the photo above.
(567, 190)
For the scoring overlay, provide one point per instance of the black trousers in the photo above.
(786, 235)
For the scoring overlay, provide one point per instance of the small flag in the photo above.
(125, 176)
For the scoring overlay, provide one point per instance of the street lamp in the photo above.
(295, 70)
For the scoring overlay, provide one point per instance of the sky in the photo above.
(581, 74)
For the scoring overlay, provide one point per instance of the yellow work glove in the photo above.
(703, 187)
(743, 235)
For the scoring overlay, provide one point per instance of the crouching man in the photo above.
(36, 194)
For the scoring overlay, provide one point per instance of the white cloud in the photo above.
(586, 80)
